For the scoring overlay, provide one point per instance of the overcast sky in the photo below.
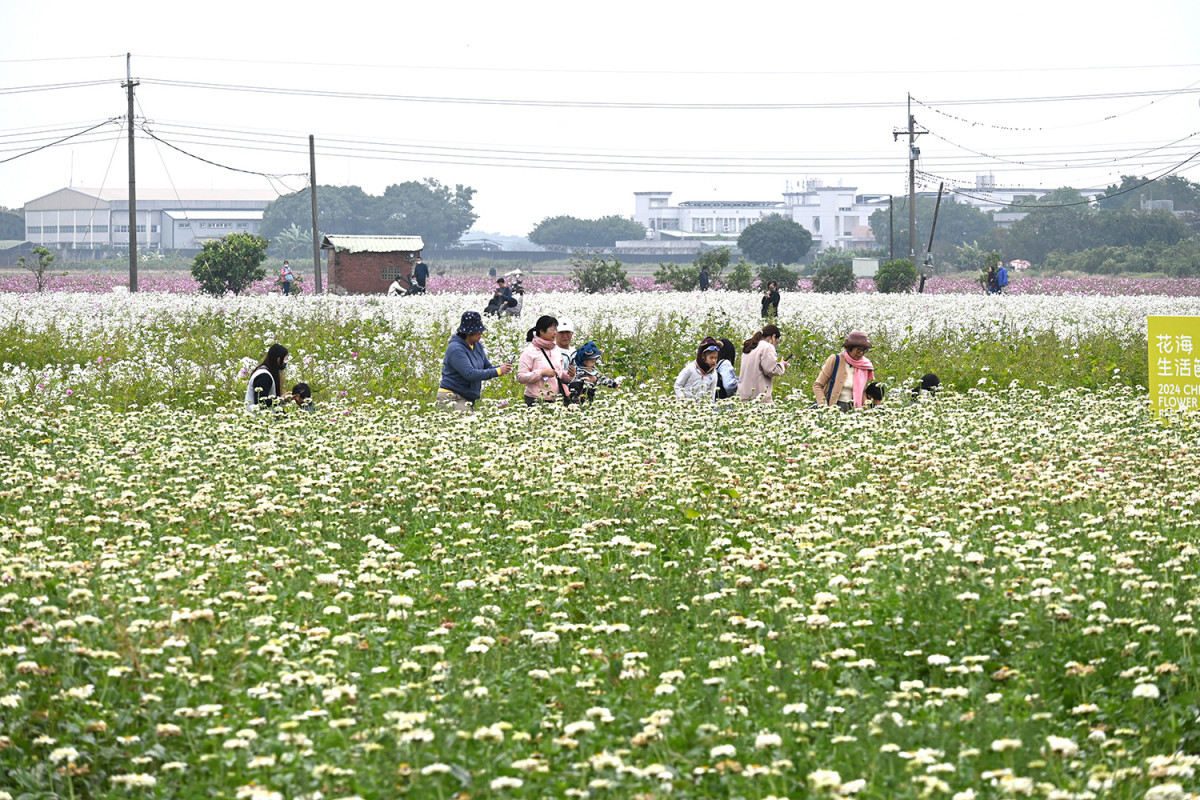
(550, 108)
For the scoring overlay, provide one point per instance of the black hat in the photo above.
(471, 323)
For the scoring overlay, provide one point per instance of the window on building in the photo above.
(120, 229)
(66, 228)
(391, 273)
(100, 228)
(83, 228)
(183, 225)
(140, 229)
(816, 225)
(243, 225)
(33, 228)
(49, 229)
(153, 228)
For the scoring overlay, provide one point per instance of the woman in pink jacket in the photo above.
(760, 365)
(541, 367)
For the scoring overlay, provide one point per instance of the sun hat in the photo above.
(857, 339)
(471, 323)
(566, 326)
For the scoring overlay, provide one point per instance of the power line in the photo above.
(328, 93)
(151, 134)
(58, 141)
(735, 73)
(47, 87)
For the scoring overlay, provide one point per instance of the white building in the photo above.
(89, 219)
(835, 216)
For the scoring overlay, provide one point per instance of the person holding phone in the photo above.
(465, 366)
(541, 369)
(760, 365)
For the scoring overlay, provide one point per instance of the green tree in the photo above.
(896, 277)
(40, 270)
(12, 224)
(230, 264)
(787, 279)
(1131, 191)
(292, 242)
(439, 215)
(956, 223)
(837, 279)
(775, 240)
(740, 277)
(1061, 220)
(565, 231)
(686, 277)
(594, 273)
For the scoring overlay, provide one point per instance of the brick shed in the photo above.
(369, 264)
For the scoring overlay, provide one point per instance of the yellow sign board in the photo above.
(1174, 354)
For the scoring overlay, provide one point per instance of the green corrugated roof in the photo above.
(373, 244)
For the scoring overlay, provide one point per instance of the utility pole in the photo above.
(133, 253)
(312, 182)
(914, 153)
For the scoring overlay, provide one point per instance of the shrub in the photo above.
(230, 264)
(837, 279)
(598, 274)
(895, 277)
(680, 277)
(786, 278)
(740, 278)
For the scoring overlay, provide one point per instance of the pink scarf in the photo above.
(543, 344)
(864, 371)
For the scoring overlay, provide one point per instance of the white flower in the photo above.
(1003, 745)
(506, 783)
(767, 740)
(820, 780)
(1061, 746)
(723, 751)
(1147, 691)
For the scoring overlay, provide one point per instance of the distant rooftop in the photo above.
(731, 203)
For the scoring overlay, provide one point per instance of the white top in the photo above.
(693, 385)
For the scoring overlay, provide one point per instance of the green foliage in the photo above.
(292, 242)
(686, 277)
(788, 279)
(435, 212)
(596, 273)
(230, 264)
(775, 240)
(40, 269)
(1130, 192)
(838, 279)
(12, 225)
(567, 231)
(895, 277)
(956, 223)
(832, 256)
(680, 277)
(1180, 260)
(974, 258)
(1072, 228)
(740, 277)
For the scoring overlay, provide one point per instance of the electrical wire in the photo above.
(143, 127)
(59, 141)
(46, 87)
(635, 105)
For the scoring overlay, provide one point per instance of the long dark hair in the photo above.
(709, 343)
(728, 353)
(544, 323)
(767, 331)
(273, 362)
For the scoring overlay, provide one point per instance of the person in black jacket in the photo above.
(421, 272)
(704, 279)
(770, 300)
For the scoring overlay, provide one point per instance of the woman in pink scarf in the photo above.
(845, 375)
(541, 367)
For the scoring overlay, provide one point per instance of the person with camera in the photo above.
(844, 376)
(770, 300)
(541, 368)
(466, 366)
(760, 365)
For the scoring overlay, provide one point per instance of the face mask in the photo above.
(283, 366)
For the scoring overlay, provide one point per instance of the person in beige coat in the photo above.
(845, 375)
(760, 365)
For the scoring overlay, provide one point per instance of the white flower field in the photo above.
(990, 594)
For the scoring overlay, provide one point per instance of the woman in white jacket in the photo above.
(698, 380)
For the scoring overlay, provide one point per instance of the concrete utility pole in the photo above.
(914, 153)
(133, 253)
(312, 181)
